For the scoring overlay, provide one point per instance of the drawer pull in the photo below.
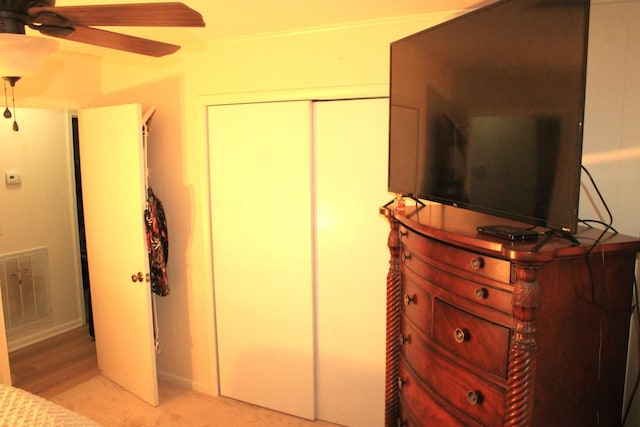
(477, 263)
(404, 233)
(404, 339)
(405, 257)
(408, 299)
(474, 397)
(481, 293)
(401, 383)
(461, 335)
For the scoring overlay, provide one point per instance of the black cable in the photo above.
(608, 226)
(587, 223)
(415, 198)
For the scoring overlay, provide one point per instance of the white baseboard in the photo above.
(40, 335)
(187, 383)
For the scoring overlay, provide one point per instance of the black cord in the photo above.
(587, 222)
(415, 198)
(608, 226)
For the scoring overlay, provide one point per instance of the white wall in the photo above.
(611, 149)
(40, 212)
(612, 133)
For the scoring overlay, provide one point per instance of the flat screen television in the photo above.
(486, 111)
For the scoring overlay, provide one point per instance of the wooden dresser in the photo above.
(485, 332)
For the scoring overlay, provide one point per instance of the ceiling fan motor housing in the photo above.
(13, 14)
(23, 5)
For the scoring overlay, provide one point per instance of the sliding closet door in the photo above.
(351, 140)
(260, 171)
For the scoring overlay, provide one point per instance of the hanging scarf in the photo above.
(157, 244)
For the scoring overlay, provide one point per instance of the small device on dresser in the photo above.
(508, 232)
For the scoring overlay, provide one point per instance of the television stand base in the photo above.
(549, 234)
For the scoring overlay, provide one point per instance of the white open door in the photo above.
(112, 165)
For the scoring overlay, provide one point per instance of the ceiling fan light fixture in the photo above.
(23, 55)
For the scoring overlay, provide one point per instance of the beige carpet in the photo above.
(110, 405)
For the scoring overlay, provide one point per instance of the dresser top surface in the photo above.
(459, 226)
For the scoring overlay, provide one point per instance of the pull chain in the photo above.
(13, 100)
(7, 114)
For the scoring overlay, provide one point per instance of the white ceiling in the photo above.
(228, 19)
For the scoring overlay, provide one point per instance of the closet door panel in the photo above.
(351, 139)
(260, 172)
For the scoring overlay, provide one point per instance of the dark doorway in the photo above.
(81, 232)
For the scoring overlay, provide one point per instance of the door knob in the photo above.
(137, 277)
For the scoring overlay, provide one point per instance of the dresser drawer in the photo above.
(478, 399)
(418, 408)
(479, 293)
(424, 247)
(483, 344)
(416, 304)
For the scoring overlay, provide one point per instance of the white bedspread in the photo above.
(21, 408)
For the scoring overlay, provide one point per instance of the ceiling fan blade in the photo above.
(171, 14)
(111, 40)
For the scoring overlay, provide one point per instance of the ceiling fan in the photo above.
(22, 54)
(76, 22)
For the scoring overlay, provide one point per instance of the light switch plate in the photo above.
(13, 177)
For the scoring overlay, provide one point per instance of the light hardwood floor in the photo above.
(54, 365)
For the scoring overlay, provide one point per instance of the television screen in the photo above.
(486, 111)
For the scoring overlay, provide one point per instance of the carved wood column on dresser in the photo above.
(485, 332)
